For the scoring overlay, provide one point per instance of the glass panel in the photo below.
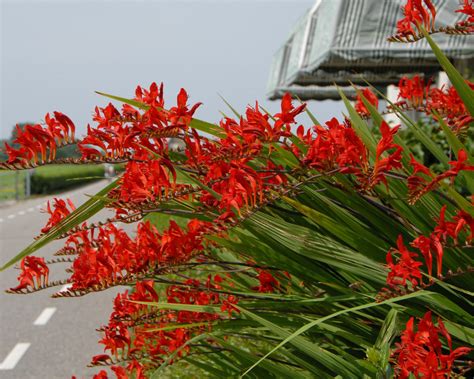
(325, 19)
(276, 69)
(296, 47)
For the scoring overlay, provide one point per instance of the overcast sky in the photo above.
(56, 53)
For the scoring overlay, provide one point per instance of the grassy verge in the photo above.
(49, 179)
(11, 183)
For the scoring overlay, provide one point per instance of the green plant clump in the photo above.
(330, 252)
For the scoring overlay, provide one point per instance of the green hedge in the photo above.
(48, 179)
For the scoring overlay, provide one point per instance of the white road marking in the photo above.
(21, 213)
(14, 356)
(31, 209)
(10, 217)
(1, 219)
(44, 317)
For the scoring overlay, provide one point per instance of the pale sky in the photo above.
(54, 54)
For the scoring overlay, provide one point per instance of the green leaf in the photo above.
(388, 329)
(452, 139)
(311, 116)
(131, 102)
(183, 307)
(234, 111)
(355, 236)
(278, 369)
(197, 182)
(287, 156)
(333, 315)
(315, 246)
(207, 127)
(326, 358)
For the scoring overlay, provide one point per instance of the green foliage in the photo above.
(438, 136)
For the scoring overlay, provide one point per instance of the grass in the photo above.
(10, 183)
(49, 179)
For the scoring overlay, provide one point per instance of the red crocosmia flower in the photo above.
(423, 244)
(238, 184)
(153, 96)
(112, 137)
(101, 358)
(148, 180)
(257, 129)
(102, 374)
(463, 221)
(336, 146)
(92, 146)
(108, 117)
(116, 339)
(405, 269)
(288, 111)
(137, 368)
(444, 228)
(420, 352)
(386, 164)
(413, 90)
(120, 372)
(459, 165)
(16, 155)
(416, 15)
(268, 283)
(105, 260)
(43, 140)
(181, 115)
(39, 144)
(239, 174)
(276, 177)
(178, 245)
(60, 127)
(34, 273)
(418, 185)
(59, 212)
(427, 245)
(228, 305)
(467, 9)
(33, 141)
(370, 97)
(448, 104)
(144, 291)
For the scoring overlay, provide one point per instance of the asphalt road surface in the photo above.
(41, 337)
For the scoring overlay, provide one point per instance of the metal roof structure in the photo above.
(338, 41)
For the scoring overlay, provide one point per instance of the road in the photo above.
(41, 337)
